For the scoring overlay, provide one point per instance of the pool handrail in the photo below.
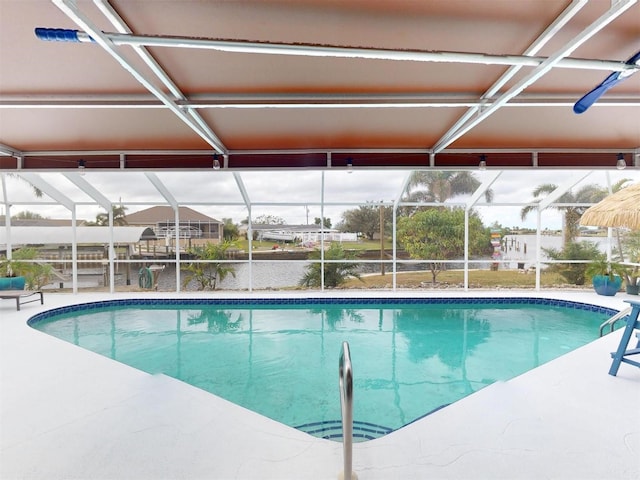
(346, 403)
(612, 321)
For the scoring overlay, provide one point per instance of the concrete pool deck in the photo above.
(70, 413)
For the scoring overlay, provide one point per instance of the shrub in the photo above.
(574, 273)
(335, 274)
(207, 274)
(22, 264)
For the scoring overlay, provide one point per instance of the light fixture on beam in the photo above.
(483, 162)
(81, 166)
(621, 164)
(349, 165)
(216, 162)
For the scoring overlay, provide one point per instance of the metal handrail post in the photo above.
(611, 322)
(346, 404)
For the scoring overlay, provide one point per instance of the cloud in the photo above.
(292, 195)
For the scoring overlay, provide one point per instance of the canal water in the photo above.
(518, 249)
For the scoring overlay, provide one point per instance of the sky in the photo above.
(293, 196)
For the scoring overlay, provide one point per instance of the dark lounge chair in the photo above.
(20, 295)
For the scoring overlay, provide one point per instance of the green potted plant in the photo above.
(606, 276)
(17, 272)
(632, 279)
(632, 272)
(11, 277)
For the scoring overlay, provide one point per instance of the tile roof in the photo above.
(161, 213)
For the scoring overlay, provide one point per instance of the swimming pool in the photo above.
(279, 357)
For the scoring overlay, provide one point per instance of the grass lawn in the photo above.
(422, 279)
(477, 279)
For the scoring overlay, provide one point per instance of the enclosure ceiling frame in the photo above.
(617, 9)
(333, 51)
(186, 110)
(494, 89)
(305, 101)
(482, 188)
(38, 182)
(117, 21)
(89, 189)
(69, 8)
(296, 160)
(170, 200)
(162, 189)
(15, 152)
(561, 190)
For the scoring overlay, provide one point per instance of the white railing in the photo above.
(183, 232)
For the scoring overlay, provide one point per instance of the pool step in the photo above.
(332, 430)
(362, 431)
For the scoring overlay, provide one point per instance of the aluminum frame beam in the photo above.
(162, 189)
(561, 190)
(534, 48)
(312, 50)
(38, 182)
(69, 8)
(54, 193)
(247, 201)
(307, 101)
(480, 191)
(117, 21)
(554, 60)
(171, 200)
(89, 189)
(105, 203)
(8, 151)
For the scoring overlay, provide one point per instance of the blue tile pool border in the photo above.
(83, 307)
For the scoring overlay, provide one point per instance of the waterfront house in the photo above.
(192, 227)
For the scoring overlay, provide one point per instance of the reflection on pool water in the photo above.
(280, 357)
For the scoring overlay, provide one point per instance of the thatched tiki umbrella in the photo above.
(622, 209)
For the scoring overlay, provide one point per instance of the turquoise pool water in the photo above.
(280, 358)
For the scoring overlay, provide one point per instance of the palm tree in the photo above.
(439, 186)
(587, 194)
(207, 275)
(102, 219)
(36, 191)
(334, 273)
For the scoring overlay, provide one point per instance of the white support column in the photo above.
(480, 191)
(322, 233)
(74, 249)
(538, 246)
(176, 221)
(37, 181)
(113, 257)
(466, 249)
(247, 202)
(105, 203)
(396, 203)
(7, 215)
